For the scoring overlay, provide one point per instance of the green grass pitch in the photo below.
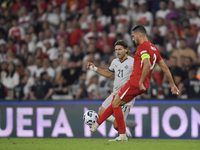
(95, 144)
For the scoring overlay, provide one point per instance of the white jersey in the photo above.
(122, 71)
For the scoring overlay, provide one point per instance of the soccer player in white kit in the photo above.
(122, 68)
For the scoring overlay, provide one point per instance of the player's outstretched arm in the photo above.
(165, 69)
(105, 73)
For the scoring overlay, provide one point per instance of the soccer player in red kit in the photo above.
(145, 58)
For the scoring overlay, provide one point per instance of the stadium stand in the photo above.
(51, 41)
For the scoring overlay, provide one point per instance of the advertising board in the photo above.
(64, 119)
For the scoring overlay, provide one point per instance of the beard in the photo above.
(121, 56)
(135, 43)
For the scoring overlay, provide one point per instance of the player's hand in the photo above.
(175, 90)
(141, 87)
(89, 64)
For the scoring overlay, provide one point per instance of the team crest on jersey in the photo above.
(126, 67)
(153, 48)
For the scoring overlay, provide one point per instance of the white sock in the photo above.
(123, 135)
(96, 124)
(111, 119)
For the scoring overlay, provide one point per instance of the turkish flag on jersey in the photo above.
(194, 25)
(61, 35)
(143, 19)
(123, 20)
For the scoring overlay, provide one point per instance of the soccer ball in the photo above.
(90, 117)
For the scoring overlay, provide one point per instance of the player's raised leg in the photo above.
(112, 120)
(117, 103)
(104, 113)
(102, 118)
(105, 104)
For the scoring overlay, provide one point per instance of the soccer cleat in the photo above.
(94, 127)
(128, 135)
(120, 138)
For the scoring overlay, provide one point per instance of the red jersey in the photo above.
(144, 48)
(75, 36)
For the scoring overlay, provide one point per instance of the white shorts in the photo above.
(125, 108)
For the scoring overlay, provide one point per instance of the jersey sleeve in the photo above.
(143, 50)
(111, 68)
(159, 57)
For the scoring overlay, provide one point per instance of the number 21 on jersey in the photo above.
(120, 73)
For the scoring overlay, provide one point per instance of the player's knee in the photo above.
(113, 104)
(116, 104)
(100, 112)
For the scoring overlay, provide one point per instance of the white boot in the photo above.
(128, 135)
(94, 127)
(121, 137)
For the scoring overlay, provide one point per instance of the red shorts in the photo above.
(128, 92)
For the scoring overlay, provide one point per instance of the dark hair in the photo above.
(22, 77)
(38, 58)
(33, 7)
(193, 72)
(11, 40)
(171, 32)
(186, 20)
(13, 72)
(76, 44)
(122, 43)
(24, 43)
(119, 35)
(15, 19)
(173, 38)
(194, 10)
(42, 74)
(140, 29)
(164, 1)
(82, 72)
(136, 4)
(2, 17)
(187, 27)
(2, 31)
(173, 19)
(183, 39)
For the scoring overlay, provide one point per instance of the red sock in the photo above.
(105, 115)
(119, 119)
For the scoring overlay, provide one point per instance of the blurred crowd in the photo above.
(46, 44)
